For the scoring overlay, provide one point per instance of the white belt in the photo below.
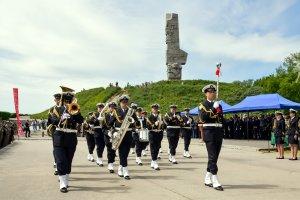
(66, 130)
(213, 125)
(97, 126)
(173, 126)
(117, 129)
(90, 131)
(141, 129)
(156, 130)
(187, 127)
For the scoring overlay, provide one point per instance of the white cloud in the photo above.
(89, 43)
(266, 48)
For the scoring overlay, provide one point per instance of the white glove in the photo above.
(92, 126)
(296, 137)
(109, 134)
(156, 123)
(101, 118)
(216, 104)
(188, 122)
(65, 116)
(115, 134)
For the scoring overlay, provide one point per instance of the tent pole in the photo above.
(248, 126)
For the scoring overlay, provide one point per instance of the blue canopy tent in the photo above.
(262, 102)
(195, 111)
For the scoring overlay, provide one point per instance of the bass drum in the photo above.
(144, 135)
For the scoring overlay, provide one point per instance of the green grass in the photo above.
(185, 93)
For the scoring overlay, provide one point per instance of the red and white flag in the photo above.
(16, 101)
(218, 70)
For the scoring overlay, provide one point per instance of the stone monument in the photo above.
(175, 57)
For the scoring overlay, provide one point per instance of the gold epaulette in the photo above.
(211, 113)
(50, 110)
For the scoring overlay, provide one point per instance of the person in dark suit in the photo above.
(279, 131)
(293, 133)
(212, 121)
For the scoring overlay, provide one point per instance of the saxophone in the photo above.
(160, 122)
(101, 117)
(118, 136)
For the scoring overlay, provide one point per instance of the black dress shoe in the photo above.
(208, 185)
(111, 171)
(127, 177)
(64, 190)
(157, 169)
(219, 188)
(120, 175)
(140, 164)
(175, 162)
(56, 173)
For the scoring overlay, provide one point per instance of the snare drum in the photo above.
(144, 135)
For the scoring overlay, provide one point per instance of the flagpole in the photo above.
(218, 71)
(218, 80)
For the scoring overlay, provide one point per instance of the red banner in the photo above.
(16, 101)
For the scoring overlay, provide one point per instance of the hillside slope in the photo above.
(185, 93)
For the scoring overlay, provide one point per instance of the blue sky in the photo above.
(90, 43)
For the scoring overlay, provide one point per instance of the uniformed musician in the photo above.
(110, 118)
(53, 111)
(211, 117)
(155, 134)
(173, 121)
(186, 131)
(64, 137)
(90, 140)
(96, 123)
(140, 125)
(124, 147)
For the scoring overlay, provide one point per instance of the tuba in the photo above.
(73, 108)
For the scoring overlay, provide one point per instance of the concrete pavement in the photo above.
(26, 172)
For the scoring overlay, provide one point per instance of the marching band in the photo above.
(118, 125)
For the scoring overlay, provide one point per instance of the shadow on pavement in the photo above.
(113, 189)
(256, 186)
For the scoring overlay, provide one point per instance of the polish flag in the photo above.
(218, 70)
